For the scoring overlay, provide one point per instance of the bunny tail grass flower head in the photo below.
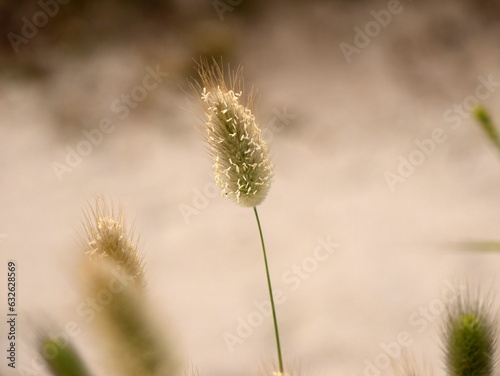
(470, 339)
(114, 277)
(106, 237)
(241, 163)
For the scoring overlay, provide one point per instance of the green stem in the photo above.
(280, 358)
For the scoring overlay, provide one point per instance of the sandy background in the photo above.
(348, 125)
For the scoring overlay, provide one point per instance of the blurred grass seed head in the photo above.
(106, 237)
(470, 340)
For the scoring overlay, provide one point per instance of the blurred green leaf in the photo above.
(481, 246)
(63, 360)
(484, 119)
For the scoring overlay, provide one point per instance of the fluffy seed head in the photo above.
(470, 340)
(241, 163)
(106, 237)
